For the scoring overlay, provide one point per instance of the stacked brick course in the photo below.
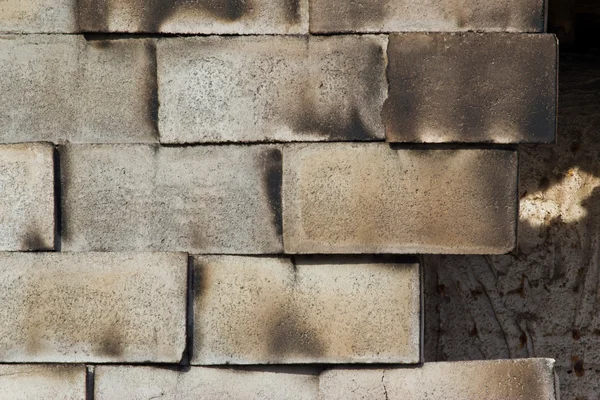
(176, 206)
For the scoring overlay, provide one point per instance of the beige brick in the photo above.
(261, 310)
(373, 198)
(471, 88)
(47, 382)
(427, 15)
(92, 307)
(142, 383)
(526, 379)
(248, 89)
(38, 16)
(27, 197)
(212, 199)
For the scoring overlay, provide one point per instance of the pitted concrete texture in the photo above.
(27, 197)
(471, 87)
(194, 16)
(38, 16)
(47, 382)
(92, 307)
(61, 88)
(262, 310)
(210, 199)
(373, 198)
(328, 16)
(249, 89)
(527, 379)
(142, 383)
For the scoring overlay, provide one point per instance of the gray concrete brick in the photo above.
(427, 16)
(248, 89)
(525, 379)
(63, 88)
(261, 310)
(210, 199)
(38, 16)
(27, 197)
(373, 198)
(472, 88)
(141, 383)
(92, 307)
(48, 382)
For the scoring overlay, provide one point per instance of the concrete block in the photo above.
(253, 89)
(194, 16)
(328, 16)
(142, 383)
(525, 379)
(92, 307)
(261, 310)
(373, 198)
(471, 87)
(27, 197)
(48, 382)
(38, 16)
(210, 199)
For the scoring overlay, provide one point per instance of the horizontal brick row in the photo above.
(48, 382)
(442, 88)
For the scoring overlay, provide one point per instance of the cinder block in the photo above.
(531, 379)
(373, 198)
(328, 16)
(471, 87)
(92, 307)
(260, 310)
(142, 383)
(48, 382)
(27, 197)
(194, 16)
(253, 89)
(210, 199)
(38, 16)
(63, 88)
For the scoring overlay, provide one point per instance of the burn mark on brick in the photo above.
(33, 241)
(289, 336)
(292, 8)
(273, 177)
(152, 87)
(111, 344)
(578, 367)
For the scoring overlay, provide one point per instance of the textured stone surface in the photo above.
(214, 199)
(195, 16)
(427, 15)
(471, 88)
(142, 383)
(92, 307)
(220, 89)
(373, 198)
(531, 379)
(48, 382)
(26, 197)
(257, 310)
(63, 88)
(38, 16)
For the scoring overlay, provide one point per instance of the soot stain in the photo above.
(33, 241)
(111, 344)
(292, 8)
(152, 86)
(273, 164)
(289, 336)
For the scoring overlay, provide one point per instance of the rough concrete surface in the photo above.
(373, 198)
(92, 307)
(47, 382)
(531, 379)
(267, 310)
(142, 383)
(426, 15)
(38, 16)
(471, 87)
(248, 89)
(210, 199)
(26, 197)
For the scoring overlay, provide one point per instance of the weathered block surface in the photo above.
(427, 15)
(92, 307)
(259, 310)
(214, 199)
(371, 198)
(26, 197)
(471, 88)
(48, 382)
(63, 88)
(243, 89)
(38, 16)
(195, 16)
(526, 379)
(142, 383)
